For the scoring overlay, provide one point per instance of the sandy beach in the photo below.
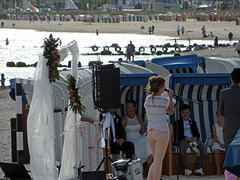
(163, 28)
(7, 111)
(193, 31)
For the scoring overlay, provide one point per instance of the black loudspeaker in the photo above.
(14, 171)
(93, 175)
(106, 86)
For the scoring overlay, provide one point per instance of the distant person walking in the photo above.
(204, 31)
(2, 24)
(153, 28)
(2, 81)
(183, 30)
(150, 30)
(237, 48)
(175, 40)
(230, 36)
(97, 32)
(216, 41)
(133, 50)
(7, 41)
(178, 30)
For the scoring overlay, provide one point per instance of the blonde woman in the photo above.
(157, 108)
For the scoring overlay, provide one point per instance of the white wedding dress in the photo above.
(142, 149)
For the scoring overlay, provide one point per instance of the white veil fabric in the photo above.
(40, 124)
(71, 154)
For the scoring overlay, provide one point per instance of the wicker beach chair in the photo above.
(227, 63)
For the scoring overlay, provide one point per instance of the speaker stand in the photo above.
(106, 157)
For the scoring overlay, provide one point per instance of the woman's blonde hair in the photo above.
(155, 83)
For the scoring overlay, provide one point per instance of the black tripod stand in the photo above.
(106, 157)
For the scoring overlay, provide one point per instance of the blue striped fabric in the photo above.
(203, 100)
(133, 87)
(183, 70)
(136, 93)
(179, 64)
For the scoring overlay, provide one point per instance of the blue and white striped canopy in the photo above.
(181, 64)
(133, 87)
(201, 92)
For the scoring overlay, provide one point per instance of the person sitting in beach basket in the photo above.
(186, 134)
(136, 133)
(218, 144)
(118, 135)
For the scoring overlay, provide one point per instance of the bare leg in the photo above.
(216, 157)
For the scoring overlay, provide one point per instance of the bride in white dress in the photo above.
(135, 130)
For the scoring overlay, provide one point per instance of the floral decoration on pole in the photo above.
(75, 100)
(51, 54)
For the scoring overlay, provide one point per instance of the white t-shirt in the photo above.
(156, 107)
(187, 129)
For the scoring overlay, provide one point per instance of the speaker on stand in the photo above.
(106, 94)
(106, 86)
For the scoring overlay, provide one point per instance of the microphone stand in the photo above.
(177, 113)
(106, 157)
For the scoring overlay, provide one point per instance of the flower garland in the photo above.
(51, 54)
(75, 99)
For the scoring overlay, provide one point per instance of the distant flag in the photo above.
(101, 5)
(33, 7)
(68, 6)
(177, 2)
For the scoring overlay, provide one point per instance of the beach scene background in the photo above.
(26, 39)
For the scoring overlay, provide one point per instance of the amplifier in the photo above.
(132, 170)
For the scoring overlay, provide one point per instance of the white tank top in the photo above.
(219, 132)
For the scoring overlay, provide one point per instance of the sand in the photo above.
(7, 111)
(166, 28)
